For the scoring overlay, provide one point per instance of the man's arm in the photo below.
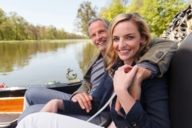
(159, 55)
(85, 87)
(155, 62)
(82, 96)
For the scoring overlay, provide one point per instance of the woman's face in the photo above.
(126, 41)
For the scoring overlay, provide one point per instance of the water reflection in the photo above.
(24, 63)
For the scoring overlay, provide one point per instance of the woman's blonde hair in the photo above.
(143, 29)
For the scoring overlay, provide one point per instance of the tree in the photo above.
(84, 14)
(19, 24)
(158, 13)
(7, 31)
(15, 27)
(116, 7)
(2, 20)
(2, 16)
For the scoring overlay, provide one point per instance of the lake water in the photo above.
(36, 63)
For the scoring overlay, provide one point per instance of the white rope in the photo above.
(104, 106)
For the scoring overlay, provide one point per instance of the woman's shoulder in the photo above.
(156, 88)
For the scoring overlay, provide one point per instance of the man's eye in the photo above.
(92, 35)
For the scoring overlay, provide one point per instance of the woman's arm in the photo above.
(152, 109)
(122, 81)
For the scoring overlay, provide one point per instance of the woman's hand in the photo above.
(124, 77)
(135, 89)
(123, 80)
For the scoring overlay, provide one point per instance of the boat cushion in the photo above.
(180, 86)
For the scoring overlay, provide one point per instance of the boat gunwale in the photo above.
(19, 91)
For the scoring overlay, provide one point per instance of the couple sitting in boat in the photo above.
(130, 67)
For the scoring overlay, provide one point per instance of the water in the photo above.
(37, 63)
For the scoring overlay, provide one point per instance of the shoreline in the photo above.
(41, 41)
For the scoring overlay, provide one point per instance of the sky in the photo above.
(59, 13)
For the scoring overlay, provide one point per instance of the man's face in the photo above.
(98, 35)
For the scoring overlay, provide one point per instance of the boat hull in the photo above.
(12, 100)
(11, 104)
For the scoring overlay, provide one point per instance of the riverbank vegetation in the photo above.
(158, 13)
(15, 27)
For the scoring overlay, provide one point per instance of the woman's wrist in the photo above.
(126, 100)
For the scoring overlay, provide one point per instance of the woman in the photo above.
(129, 39)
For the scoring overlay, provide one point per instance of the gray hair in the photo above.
(105, 22)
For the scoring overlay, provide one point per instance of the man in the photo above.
(155, 62)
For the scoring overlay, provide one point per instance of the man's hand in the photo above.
(142, 74)
(84, 101)
(2, 85)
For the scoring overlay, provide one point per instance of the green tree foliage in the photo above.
(158, 13)
(7, 32)
(2, 20)
(2, 16)
(15, 27)
(84, 14)
(18, 25)
(116, 7)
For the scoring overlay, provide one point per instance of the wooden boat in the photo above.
(12, 99)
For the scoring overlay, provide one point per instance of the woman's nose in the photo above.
(121, 43)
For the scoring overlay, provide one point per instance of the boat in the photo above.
(12, 99)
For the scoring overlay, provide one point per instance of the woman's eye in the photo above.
(130, 37)
(115, 39)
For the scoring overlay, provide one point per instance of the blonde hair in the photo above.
(143, 29)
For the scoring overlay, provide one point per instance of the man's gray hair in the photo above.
(106, 22)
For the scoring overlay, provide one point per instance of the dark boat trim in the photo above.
(20, 91)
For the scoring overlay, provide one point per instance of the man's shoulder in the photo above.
(161, 40)
(96, 58)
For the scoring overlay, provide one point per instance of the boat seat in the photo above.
(7, 120)
(180, 86)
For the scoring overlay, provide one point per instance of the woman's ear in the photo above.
(142, 41)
